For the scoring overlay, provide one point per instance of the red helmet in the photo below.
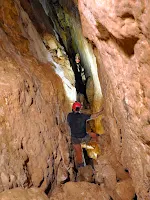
(76, 105)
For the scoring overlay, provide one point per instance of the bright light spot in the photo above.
(45, 6)
(69, 89)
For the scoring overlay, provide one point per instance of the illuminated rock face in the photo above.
(65, 17)
(33, 106)
(119, 31)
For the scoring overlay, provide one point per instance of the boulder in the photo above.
(23, 194)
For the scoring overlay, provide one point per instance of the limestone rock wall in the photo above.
(23, 194)
(119, 32)
(79, 190)
(37, 88)
(34, 147)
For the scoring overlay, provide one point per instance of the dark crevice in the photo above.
(51, 183)
(31, 102)
(148, 121)
(126, 170)
(88, 161)
(21, 145)
(144, 140)
(26, 162)
(41, 182)
(57, 121)
(42, 21)
(147, 143)
(28, 181)
(127, 15)
(118, 180)
(48, 189)
(27, 86)
(127, 45)
(120, 136)
(135, 197)
(103, 32)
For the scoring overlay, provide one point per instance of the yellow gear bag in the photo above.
(92, 148)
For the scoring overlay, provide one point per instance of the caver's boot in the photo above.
(80, 165)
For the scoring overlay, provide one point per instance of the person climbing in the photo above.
(80, 83)
(80, 69)
(77, 122)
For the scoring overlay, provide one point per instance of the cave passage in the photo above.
(81, 84)
(50, 56)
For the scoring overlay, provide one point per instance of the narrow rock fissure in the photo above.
(48, 190)
(135, 197)
(53, 53)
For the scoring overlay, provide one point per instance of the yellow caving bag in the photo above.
(92, 148)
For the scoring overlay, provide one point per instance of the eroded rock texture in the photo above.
(23, 194)
(119, 31)
(81, 190)
(33, 106)
(37, 88)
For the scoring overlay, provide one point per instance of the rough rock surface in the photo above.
(79, 190)
(110, 173)
(125, 190)
(33, 106)
(23, 194)
(119, 32)
(85, 174)
(34, 100)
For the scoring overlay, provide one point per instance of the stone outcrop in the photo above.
(125, 190)
(85, 174)
(110, 173)
(80, 190)
(119, 32)
(33, 106)
(23, 194)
